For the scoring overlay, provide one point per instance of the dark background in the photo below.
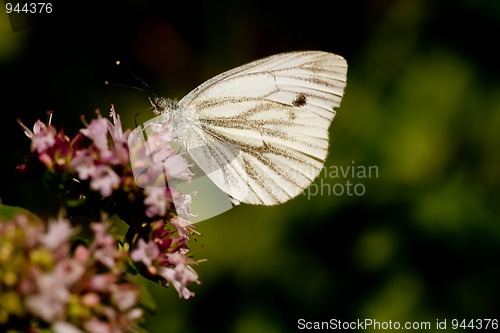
(422, 104)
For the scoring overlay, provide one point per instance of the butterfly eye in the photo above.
(160, 103)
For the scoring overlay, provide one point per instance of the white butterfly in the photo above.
(260, 131)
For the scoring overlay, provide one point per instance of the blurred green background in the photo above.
(422, 105)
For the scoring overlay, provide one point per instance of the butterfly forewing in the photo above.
(272, 116)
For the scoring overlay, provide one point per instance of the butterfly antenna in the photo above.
(148, 89)
(108, 83)
(118, 63)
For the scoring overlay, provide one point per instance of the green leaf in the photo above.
(9, 212)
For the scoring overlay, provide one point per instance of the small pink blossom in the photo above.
(182, 202)
(179, 276)
(97, 131)
(156, 201)
(91, 299)
(58, 233)
(70, 271)
(125, 296)
(64, 327)
(145, 252)
(43, 140)
(37, 128)
(104, 245)
(117, 156)
(102, 282)
(84, 164)
(96, 326)
(106, 256)
(158, 146)
(45, 307)
(104, 179)
(50, 302)
(135, 314)
(115, 128)
(82, 254)
(182, 226)
(102, 237)
(46, 160)
(165, 130)
(177, 167)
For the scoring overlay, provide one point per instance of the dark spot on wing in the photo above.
(300, 100)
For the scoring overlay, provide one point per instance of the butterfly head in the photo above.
(161, 104)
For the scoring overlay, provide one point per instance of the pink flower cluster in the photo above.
(90, 154)
(48, 282)
(98, 159)
(163, 255)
